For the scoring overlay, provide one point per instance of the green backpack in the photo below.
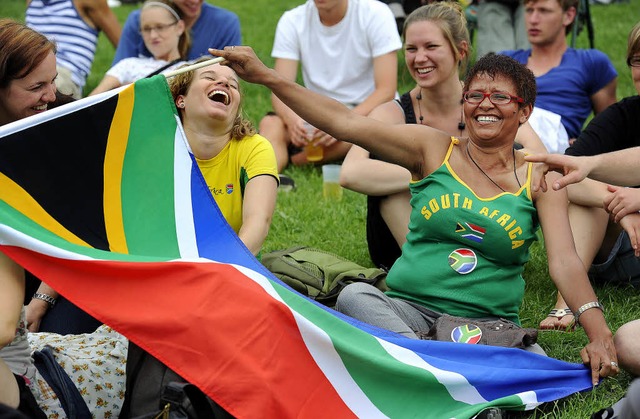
(318, 274)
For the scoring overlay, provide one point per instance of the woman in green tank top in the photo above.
(471, 227)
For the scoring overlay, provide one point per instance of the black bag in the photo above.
(319, 274)
(153, 390)
(499, 332)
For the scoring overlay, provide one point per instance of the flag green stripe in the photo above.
(25, 204)
(421, 390)
(150, 230)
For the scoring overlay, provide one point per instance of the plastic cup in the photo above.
(331, 189)
(312, 150)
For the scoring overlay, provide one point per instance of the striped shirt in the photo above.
(76, 41)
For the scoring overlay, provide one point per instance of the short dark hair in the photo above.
(565, 5)
(494, 65)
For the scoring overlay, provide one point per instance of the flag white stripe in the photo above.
(456, 384)
(323, 352)
(185, 225)
(58, 112)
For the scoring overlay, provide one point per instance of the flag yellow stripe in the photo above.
(113, 164)
(15, 196)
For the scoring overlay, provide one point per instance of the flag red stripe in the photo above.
(240, 346)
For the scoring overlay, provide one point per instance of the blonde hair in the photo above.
(633, 43)
(179, 86)
(184, 43)
(23, 49)
(449, 16)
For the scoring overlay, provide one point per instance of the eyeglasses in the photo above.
(497, 98)
(634, 61)
(158, 28)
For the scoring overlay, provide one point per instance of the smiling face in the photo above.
(428, 54)
(486, 121)
(161, 32)
(213, 95)
(31, 94)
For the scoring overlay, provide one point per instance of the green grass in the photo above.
(303, 217)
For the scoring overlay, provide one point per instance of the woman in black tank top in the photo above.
(434, 61)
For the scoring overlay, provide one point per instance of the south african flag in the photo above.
(103, 200)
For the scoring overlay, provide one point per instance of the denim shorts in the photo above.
(621, 267)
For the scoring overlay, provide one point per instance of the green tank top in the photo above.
(465, 255)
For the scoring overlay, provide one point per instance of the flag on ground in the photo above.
(103, 200)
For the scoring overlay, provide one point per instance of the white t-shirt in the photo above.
(131, 69)
(337, 61)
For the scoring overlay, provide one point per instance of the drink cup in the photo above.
(313, 151)
(331, 189)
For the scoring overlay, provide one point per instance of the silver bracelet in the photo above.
(44, 297)
(585, 307)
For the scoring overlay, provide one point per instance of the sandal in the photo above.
(559, 314)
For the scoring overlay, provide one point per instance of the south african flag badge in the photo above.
(463, 261)
(467, 333)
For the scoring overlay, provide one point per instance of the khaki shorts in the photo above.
(65, 85)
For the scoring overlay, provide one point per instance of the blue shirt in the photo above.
(567, 89)
(215, 28)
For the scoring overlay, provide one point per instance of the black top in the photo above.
(383, 248)
(615, 128)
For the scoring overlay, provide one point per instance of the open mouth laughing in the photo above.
(219, 96)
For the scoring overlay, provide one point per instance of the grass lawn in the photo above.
(303, 217)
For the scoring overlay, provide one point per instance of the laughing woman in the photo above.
(480, 183)
(238, 165)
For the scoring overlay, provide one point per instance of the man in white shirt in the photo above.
(348, 51)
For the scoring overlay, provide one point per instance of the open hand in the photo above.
(246, 64)
(574, 169)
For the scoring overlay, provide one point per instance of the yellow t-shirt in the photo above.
(227, 173)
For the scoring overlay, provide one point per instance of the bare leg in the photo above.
(9, 392)
(589, 227)
(626, 340)
(273, 129)
(396, 210)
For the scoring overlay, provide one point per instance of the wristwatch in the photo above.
(44, 297)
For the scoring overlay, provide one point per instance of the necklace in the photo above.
(515, 173)
(461, 124)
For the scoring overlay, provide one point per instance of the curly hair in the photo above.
(179, 85)
(494, 65)
(23, 49)
(450, 18)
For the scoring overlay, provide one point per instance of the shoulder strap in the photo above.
(164, 67)
(70, 398)
(407, 107)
